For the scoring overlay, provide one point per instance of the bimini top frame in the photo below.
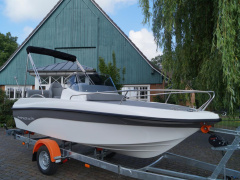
(50, 52)
(53, 53)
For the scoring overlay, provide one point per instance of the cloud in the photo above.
(22, 10)
(144, 40)
(25, 33)
(110, 5)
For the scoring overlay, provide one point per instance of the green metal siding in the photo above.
(79, 28)
(76, 26)
(85, 56)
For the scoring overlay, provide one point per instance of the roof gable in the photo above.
(102, 11)
(82, 28)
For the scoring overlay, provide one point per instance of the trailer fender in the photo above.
(52, 146)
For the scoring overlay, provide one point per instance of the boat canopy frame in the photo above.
(77, 74)
(50, 52)
(53, 53)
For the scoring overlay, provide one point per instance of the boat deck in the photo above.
(150, 105)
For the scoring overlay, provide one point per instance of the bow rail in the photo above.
(168, 92)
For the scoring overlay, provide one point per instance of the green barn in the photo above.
(81, 28)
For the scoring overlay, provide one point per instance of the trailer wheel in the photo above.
(45, 165)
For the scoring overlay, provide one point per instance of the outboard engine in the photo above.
(217, 141)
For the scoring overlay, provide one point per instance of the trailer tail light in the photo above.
(27, 132)
(87, 166)
(65, 160)
(99, 149)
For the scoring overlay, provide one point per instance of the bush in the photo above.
(10, 122)
(158, 98)
(112, 70)
(6, 116)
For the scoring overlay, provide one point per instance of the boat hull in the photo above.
(136, 141)
(135, 131)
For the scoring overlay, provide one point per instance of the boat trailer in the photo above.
(49, 150)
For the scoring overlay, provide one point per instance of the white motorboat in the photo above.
(90, 111)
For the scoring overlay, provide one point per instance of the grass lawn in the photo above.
(228, 123)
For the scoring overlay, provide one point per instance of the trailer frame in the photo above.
(149, 172)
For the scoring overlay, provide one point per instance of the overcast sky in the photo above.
(20, 17)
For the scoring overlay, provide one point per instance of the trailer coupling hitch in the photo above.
(13, 132)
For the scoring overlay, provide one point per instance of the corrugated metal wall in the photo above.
(79, 28)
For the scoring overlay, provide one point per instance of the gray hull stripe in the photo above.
(28, 115)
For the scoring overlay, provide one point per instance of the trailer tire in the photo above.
(45, 165)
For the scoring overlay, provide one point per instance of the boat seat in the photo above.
(105, 97)
(55, 90)
(83, 87)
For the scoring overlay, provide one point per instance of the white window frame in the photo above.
(15, 88)
(125, 87)
(51, 79)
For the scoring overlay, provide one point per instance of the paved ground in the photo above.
(15, 160)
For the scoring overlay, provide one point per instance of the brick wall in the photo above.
(156, 86)
(2, 88)
(190, 103)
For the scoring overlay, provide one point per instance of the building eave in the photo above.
(57, 73)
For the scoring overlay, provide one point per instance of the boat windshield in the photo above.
(90, 83)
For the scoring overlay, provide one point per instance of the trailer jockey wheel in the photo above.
(45, 165)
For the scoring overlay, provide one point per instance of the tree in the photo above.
(8, 44)
(112, 70)
(157, 61)
(201, 41)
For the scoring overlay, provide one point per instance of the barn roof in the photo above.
(107, 17)
(62, 67)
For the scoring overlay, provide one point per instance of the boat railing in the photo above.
(168, 92)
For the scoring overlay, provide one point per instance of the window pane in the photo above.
(56, 79)
(18, 93)
(10, 92)
(139, 93)
(26, 89)
(143, 92)
(44, 80)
